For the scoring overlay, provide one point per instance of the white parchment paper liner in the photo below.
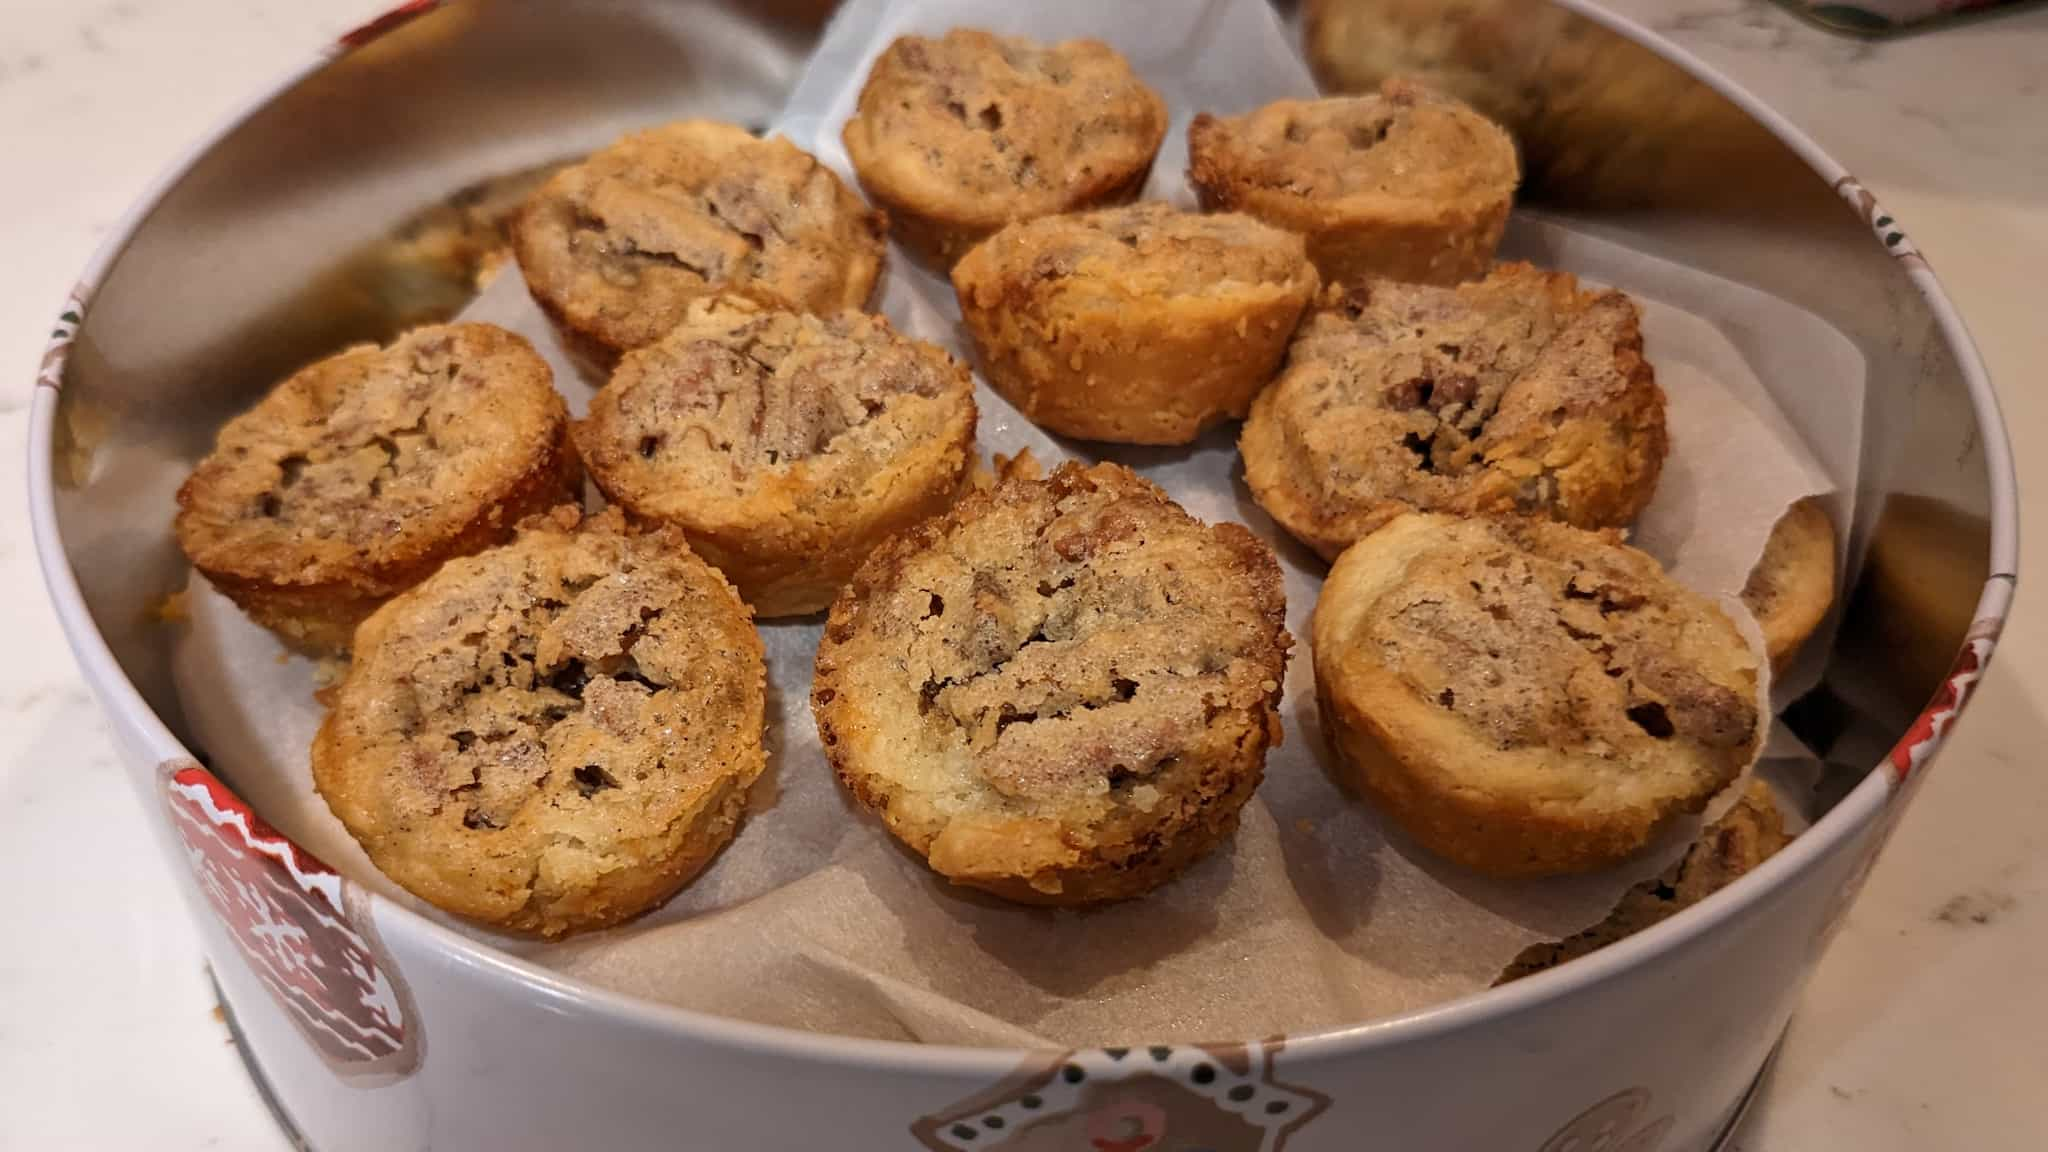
(1316, 915)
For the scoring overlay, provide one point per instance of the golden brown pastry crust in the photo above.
(1517, 393)
(1749, 833)
(615, 248)
(360, 474)
(1403, 184)
(1526, 698)
(960, 135)
(1793, 584)
(785, 445)
(554, 735)
(1140, 324)
(1061, 691)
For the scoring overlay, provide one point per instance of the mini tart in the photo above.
(1062, 691)
(1518, 393)
(1749, 833)
(1793, 584)
(360, 474)
(785, 445)
(615, 248)
(960, 135)
(1140, 324)
(1525, 698)
(1403, 184)
(554, 735)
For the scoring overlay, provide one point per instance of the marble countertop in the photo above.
(1921, 1029)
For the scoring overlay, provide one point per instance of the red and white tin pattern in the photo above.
(1215, 1097)
(1913, 750)
(50, 373)
(1931, 726)
(396, 18)
(1882, 225)
(287, 913)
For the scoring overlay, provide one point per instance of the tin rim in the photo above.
(1884, 785)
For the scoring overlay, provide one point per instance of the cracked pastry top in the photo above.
(960, 135)
(1526, 698)
(1517, 393)
(1061, 691)
(1140, 324)
(1793, 584)
(785, 445)
(360, 474)
(615, 248)
(1403, 183)
(551, 736)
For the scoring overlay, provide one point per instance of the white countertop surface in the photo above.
(1922, 1029)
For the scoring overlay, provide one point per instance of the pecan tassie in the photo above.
(1141, 324)
(554, 735)
(961, 134)
(360, 474)
(1062, 691)
(1793, 583)
(1401, 184)
(614, 249)
(1749, 833)
(1518, 393)
(784, 445)
(1527, 698)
